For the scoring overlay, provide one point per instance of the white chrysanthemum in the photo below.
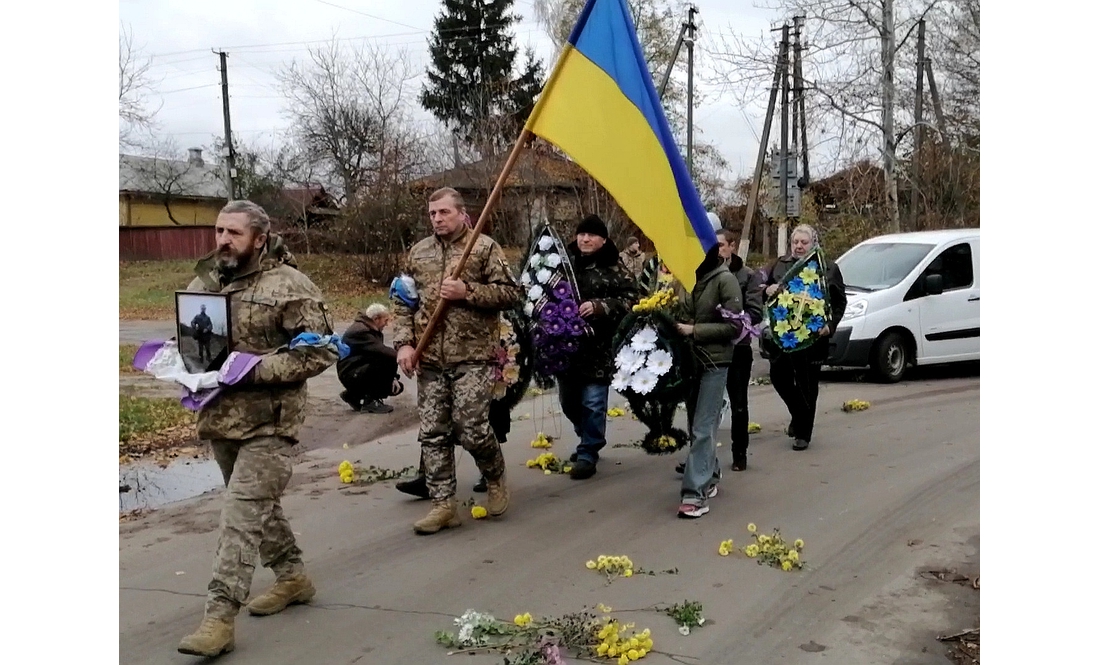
(626, 357)
(535, 262)
(552, 260)
(620, 382)
(534, 293)
(643, 382)
(644, 340)
(545, 243)
(684, 630)
(529, 308)
(525, 278)
(659, 362)
(543, 276)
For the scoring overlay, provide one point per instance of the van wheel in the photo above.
(891, 358)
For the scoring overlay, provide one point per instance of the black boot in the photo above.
(355, 404)
(481, 485)
(417, 487)
(376, 406)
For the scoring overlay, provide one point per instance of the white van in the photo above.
(913, 299)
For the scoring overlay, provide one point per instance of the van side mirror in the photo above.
(933, 284)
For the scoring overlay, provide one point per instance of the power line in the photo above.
(356, 11)
(419, 31)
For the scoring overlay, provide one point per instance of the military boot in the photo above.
(296, 589)
(213, 637)
(497, 501)
(444, 514)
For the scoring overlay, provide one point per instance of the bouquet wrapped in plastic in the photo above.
(552, 305)
(652, 370)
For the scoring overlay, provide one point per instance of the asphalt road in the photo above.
(880, 497)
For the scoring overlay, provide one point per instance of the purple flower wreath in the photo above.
(556, 330)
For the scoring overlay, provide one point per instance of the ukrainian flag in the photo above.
(600, 107)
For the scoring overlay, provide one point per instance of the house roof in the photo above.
(159, 176)
(534, 168)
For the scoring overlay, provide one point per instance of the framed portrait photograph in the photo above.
(203, 330)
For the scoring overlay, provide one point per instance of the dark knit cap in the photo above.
(593, 225)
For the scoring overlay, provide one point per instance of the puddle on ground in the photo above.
(151, 486)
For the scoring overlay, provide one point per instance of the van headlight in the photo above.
(855, 309)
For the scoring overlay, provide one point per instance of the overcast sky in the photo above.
(260, 36)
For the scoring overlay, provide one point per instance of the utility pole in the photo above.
(918, 128)
(784, 139)
(936, 104)
(765, 136)
(800, 102)
(228, 149)
(691, 88)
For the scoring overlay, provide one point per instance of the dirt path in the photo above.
(879, 497)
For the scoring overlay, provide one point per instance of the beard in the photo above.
(229, 260)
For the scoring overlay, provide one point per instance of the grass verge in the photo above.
(146, 289)
(147, 425)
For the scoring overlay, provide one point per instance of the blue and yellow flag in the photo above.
(600, 107)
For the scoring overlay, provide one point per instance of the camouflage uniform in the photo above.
(456, 379)
(253, 427)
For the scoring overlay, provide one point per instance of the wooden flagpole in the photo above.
(486, 211)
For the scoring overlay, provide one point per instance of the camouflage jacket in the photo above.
(269, 306)
(469, 330)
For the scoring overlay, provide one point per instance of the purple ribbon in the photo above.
(747, 329)
(234, 370)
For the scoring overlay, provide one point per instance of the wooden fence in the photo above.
(158, 243)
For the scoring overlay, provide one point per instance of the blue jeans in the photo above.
(585, 405)
(704, 413)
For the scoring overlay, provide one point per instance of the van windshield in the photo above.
(880, 265)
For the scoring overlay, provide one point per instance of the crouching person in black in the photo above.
(369, 372)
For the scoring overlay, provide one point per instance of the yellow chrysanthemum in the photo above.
(799, 544)
(591, 565)
(522, 620)
(751, 551)
(478, 512)
(628, 572)
(793, 555)
(752, 528)
(624, 660)
(601, 650)
(786, 565)
(754, 428)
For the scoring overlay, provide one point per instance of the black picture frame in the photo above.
(203, 350)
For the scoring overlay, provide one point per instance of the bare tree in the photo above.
(350, 111)
(852, 61)
(135, 84)
(351, 117)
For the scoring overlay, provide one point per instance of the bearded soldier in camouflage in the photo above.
(455, 383)
(253, 425)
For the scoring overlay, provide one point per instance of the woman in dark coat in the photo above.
(796, 375)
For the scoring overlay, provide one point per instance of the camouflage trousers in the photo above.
(256, 471)
(454, 407)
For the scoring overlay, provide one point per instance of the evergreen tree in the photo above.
(473, 83)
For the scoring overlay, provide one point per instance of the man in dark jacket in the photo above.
(737, 381)
(795, 375)
(606, 291)
(369, 372)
